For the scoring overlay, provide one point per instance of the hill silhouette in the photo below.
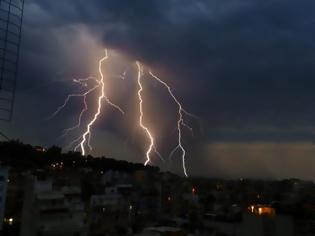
(19, 155)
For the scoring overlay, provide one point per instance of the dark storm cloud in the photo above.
(251, 59)
(244, 46)
(246, 67)
(245, 62)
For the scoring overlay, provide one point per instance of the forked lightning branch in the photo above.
(98, 85)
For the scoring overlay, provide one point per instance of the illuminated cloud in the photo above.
(260, 160)
(244, 64)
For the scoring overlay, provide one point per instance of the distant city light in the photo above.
(40, 149)
(9, 221)
(193, 191)
(262, 210)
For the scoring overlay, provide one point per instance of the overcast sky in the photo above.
(244, 67)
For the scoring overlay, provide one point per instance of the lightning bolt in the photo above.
(180, 122)
(146, 129)
(59, 109)
(66, 131)
(85, 138)
(87, 134)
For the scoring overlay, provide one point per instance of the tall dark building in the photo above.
(11, 16)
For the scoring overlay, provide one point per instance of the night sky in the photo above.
(244, 67)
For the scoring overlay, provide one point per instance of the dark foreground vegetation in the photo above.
(19, 155)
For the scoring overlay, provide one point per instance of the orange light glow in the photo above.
(262, 210)
(193, 191)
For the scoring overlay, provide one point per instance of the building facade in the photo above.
(3, 192)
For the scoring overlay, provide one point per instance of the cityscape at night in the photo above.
(157, 118)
